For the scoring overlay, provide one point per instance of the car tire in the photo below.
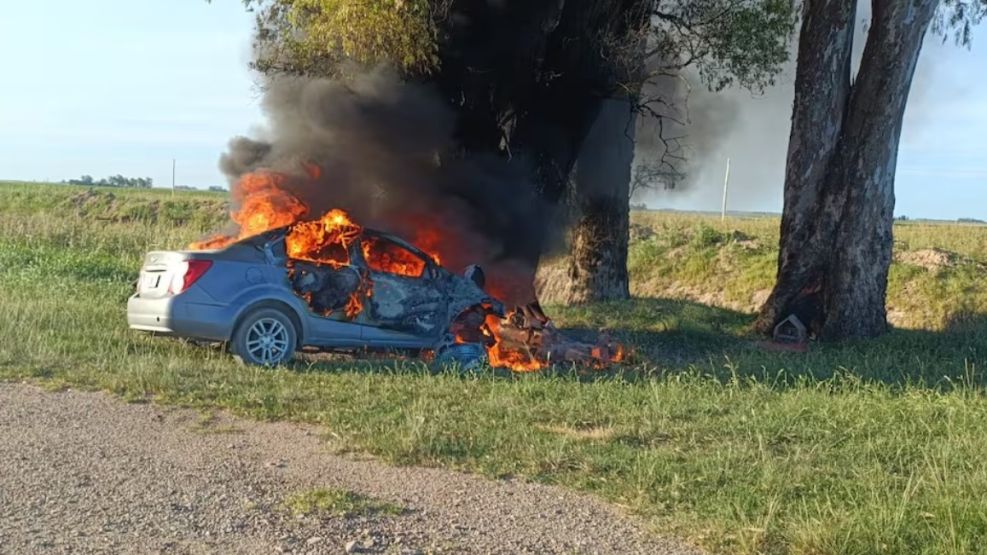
(466, 357)
(265, 337)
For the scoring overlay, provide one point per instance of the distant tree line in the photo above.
(113, 181)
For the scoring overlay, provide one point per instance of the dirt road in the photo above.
(83, 472)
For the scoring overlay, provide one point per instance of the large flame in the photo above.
(384, 256)
(327, 241)
(323, 241)
(263, 204)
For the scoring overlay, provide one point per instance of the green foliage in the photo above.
(320, 37)
(706, 237)
(199, 211)
(729, 41)
(337, 502)
(743, 42)
(956, 18)
(113, 181)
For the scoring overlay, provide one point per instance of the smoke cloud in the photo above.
(752, 130)
(382, 149)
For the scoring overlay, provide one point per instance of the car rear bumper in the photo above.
(180, 316)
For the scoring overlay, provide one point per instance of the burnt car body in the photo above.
(266, 305)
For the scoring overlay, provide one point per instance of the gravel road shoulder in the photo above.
(85, 472)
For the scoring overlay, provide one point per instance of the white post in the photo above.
(726, 183)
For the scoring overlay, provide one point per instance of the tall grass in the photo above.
(873, 447)
(732, 264)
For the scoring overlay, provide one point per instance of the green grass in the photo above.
(870, 447)
(337, 502)
(732, 265)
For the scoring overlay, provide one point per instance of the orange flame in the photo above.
(429, 240)
(501, 357)
(263, 205)
(384, 256)
(327, 241)
(323, 241)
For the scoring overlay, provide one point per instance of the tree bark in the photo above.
(854, 299)
(597, 263)
(836, 232)
(822, 85)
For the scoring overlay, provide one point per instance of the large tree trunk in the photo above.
(822, 86)
(554, 129)
(836, 239)
(597, 263)
(854, 299)
(565, 56)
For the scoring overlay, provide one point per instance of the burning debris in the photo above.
(526, 340)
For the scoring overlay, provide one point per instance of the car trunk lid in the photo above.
(159, 270)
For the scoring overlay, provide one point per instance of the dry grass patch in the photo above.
(587, 433)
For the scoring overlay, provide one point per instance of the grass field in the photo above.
(876, 447)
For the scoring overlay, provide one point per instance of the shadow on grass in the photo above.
(673, 337)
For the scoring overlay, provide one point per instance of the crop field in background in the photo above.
(869, 447)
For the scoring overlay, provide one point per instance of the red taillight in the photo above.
(193, 270)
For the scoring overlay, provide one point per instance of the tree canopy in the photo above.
(528, 79)
(322, 36)
(728, 41)
(956, 18)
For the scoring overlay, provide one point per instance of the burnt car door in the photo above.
(406, 293)
(324, 290)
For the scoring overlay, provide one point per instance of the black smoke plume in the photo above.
(383, 150)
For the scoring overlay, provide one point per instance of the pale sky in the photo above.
(942, 158)
(102, 87)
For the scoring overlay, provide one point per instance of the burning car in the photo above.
(327, 283)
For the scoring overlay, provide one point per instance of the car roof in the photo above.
(273, 234)
(398, 240)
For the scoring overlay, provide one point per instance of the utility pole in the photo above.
(726, 184)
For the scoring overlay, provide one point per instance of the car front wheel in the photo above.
(265, 337)
(466, 357)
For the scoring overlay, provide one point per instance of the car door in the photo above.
(333, 329)
(404, 295)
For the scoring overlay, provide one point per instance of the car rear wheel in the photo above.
(265, 337)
